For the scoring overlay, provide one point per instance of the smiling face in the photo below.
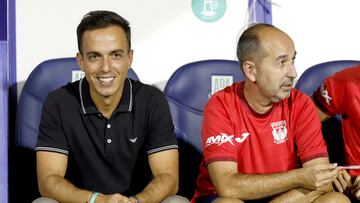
(105, 58)
(275, 73)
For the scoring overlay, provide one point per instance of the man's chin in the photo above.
(286, 95)
(281, 97)
(106, 94)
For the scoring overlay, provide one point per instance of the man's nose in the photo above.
(292, 72)
(105, 65)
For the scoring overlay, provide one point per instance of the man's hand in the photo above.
(114, 198)
(319, 176)
(342, 183)
(356, 188)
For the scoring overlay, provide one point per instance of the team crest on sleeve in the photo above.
(279, 131)
(324, 93)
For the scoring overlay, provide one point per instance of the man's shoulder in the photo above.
(230, 91)
(348, 73)
(344, 78)
(298, 98)
(347, 80)
(298, 95)
(65, 92)
(228, 98)
(142, 90)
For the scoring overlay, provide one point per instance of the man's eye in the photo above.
(116, 55)
(92, 57)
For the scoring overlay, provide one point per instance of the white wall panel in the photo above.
(322, 30)
(166, 33)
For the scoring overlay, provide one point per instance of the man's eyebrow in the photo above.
(281, 57)
(117, 50)
(285, 56)
(98, 53)
(92, 52)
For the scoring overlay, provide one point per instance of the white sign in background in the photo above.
(322, 30)
(219, 82)
(166, 34)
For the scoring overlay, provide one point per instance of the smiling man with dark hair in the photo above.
(104, 122)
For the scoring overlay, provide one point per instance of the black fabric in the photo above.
(332, 132)
(106, 151)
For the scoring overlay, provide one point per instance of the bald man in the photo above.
(261, 138)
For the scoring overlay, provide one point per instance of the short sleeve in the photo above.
(309, 139)
(161, 134)
(51, 134)
(217, 131)
(328, 96)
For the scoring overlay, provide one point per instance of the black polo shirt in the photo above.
(106, 150)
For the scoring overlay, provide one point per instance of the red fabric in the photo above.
(259, 143)
(340, 94)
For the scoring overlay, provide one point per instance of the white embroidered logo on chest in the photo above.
(133, 140)
(279, 131)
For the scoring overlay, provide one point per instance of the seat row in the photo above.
(187, 91)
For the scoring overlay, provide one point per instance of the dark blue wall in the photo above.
(3, 20)
(3, 104)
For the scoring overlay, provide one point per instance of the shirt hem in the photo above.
(162, 149)
(51, 149)
(220, 159)
(315, 156)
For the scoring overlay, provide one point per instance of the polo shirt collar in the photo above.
(88, 106)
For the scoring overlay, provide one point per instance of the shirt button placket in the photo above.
(108, 126)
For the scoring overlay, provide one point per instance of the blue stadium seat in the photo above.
(314, 76)
(47, 76)
(187, 91)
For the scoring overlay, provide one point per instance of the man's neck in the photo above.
(107, 105)
(256, 101)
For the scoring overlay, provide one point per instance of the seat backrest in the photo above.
(187, 91)
(314, 76)
(47, 76)
(189, 88)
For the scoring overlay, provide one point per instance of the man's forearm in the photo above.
(298, 195)
(159, 188)
(247, 187)
(62, 190)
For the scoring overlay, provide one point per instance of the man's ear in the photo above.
(249, 70)
(130, 54)
(80, 61)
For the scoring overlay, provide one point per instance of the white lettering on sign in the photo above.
(77, 75)
(219, 82)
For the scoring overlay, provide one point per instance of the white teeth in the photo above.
(106, 79)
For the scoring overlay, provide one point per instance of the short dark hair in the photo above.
(249, 47)
(102, 19)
